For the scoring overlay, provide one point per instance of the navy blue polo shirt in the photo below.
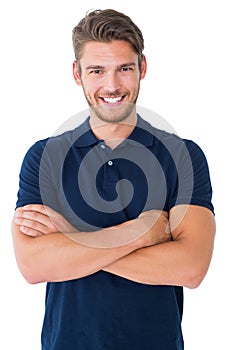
(94, 187)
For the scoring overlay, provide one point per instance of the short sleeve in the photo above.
(33, 174)
(193, 180)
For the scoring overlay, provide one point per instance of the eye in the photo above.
(126, 69)
(96, 71)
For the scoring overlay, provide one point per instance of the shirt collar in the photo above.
(142, 135)
(84, 136)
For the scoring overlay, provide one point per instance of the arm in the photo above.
(52, 256)
(183, 261)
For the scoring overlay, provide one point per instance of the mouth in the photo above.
(112, 100)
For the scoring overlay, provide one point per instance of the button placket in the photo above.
(107, 153)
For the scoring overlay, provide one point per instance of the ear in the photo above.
(76, 74)
(143, 67)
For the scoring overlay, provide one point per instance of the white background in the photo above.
(188, 45)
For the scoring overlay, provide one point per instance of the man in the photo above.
(115, 215)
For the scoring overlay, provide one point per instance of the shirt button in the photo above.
(110, 163)
(102, 146)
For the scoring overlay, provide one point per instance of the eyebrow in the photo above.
(102, 67)
(95, 67)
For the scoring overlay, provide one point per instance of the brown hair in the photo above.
(106, 26)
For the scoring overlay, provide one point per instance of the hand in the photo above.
(37, 220)
(155, 225)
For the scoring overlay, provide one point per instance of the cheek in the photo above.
(131, 82)
(133, 86)
(91, 85)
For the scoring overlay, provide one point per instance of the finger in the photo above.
(40, 208)
(46, 216)
(33, 225)
(59, 222)
(154, 213)
(30, 232)
(38, 217)
(37, 209)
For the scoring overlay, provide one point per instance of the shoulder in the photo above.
(62, 142)
(176, 145)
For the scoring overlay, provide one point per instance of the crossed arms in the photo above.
(172, 248)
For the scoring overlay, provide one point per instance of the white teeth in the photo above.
(112, 99)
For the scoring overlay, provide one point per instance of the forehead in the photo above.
(116, 52)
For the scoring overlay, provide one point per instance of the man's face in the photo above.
(110, 79)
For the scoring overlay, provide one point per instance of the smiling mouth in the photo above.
(112, 100)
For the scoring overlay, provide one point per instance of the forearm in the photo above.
(163, 264)
(55, 257)
(183, 261)
(43, 254)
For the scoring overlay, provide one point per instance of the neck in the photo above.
(113, 133)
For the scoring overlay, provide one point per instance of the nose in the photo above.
(112, 82)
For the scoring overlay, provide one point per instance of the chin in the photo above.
(113, 114)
